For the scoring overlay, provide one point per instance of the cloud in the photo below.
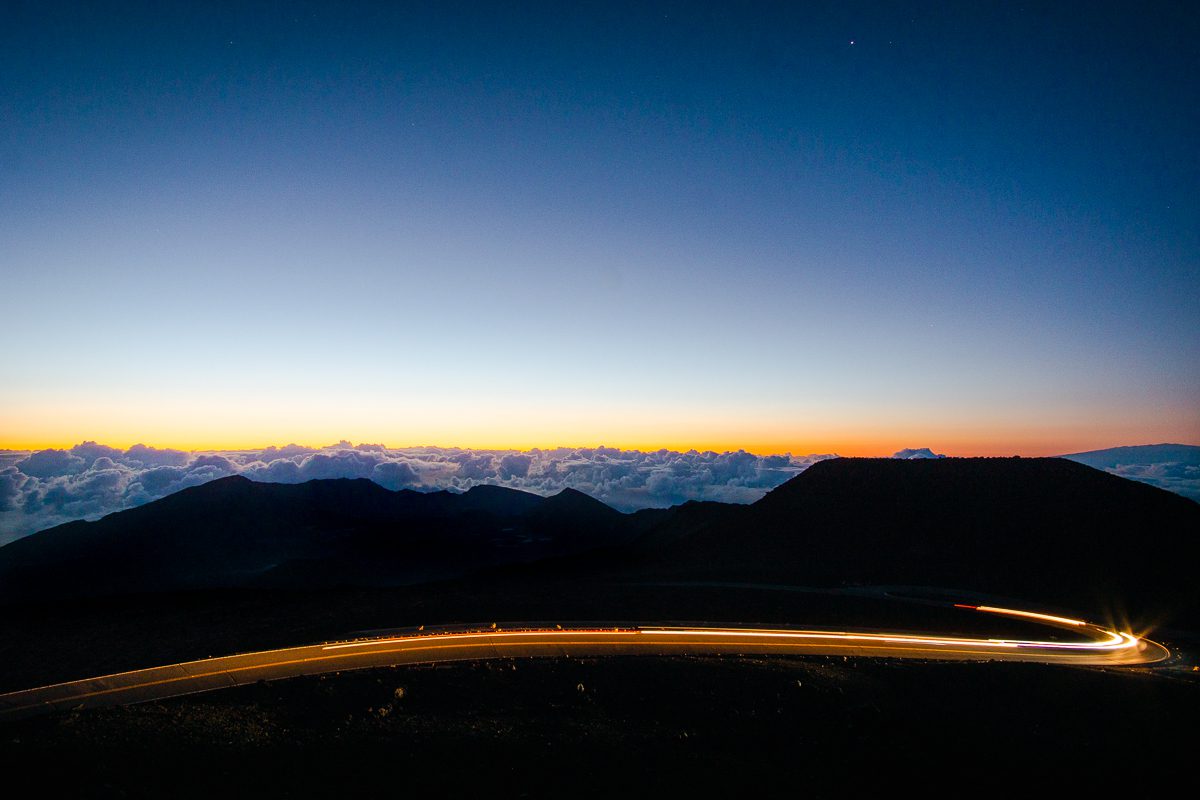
(153, 457)
(475, 467)
(90, 451)
(11, 483)
(1179, 477)
(49, 487)
(50, 463)
(395, 475)
(159, 480)
(341, 464)
(287, 451)
(514, 465)
(1174, 467)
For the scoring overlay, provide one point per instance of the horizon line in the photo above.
(751, 448)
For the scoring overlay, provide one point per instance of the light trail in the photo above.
(1027, 614)
(1093, 645)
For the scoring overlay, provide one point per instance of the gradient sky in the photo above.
(843, 227)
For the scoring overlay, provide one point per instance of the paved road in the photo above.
(1086, 644)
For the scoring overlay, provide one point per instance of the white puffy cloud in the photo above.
(475, 467)
(48, 487)
(90, 451)
(514, 465)
(154, 457)
(395, 475)
(12, 480)
(287, 451)
(50, 463)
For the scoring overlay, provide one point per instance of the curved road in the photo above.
(1088, 644)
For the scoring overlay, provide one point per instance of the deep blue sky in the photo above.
(818, 227)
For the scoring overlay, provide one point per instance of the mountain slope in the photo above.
(1041, 529)
(1174, 467)
(235, 532)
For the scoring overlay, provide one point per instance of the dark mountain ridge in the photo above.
(1040, 528)
(236, 532)
(1046, 530)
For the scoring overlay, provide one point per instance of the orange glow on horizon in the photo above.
(221, 422)
(845, 447)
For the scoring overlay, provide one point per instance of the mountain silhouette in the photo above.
(236, 532)
(1045, 529)
(1139, 454)
(1040, 528)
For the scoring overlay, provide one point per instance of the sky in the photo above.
(784, 228)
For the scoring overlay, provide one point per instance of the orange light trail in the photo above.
(1108, 640)
(1027, 614)
(1097, 645)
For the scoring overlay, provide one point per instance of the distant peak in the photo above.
(227, 481)
(573, 498)
(920, 452)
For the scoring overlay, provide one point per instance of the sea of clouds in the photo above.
(44, 488)
(47, 487)
(1174, 476)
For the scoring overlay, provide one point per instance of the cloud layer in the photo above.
(1181, 478)
(48, 487)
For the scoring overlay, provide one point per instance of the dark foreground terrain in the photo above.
(712, 727)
